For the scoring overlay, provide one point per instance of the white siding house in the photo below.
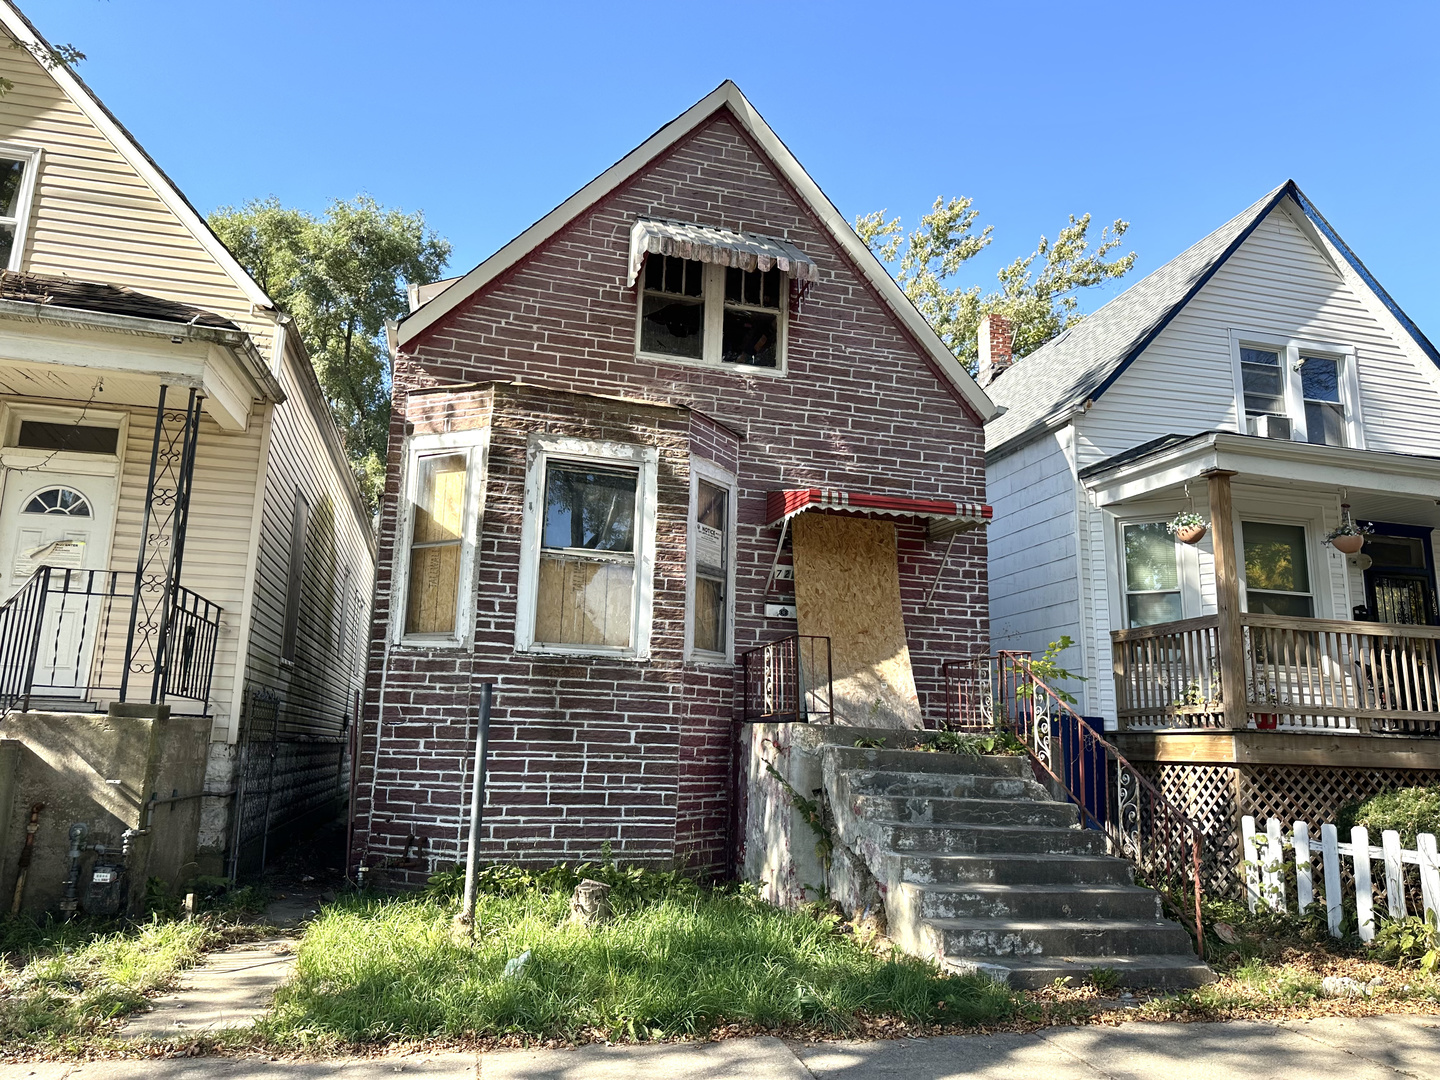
(1265, 381)
(159, 426)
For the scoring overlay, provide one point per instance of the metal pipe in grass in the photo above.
(466, 918)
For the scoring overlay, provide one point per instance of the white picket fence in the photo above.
(1264, 855)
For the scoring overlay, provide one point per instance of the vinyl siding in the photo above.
(93, 217)
(338, 572)
(1278, 283)
(1034, 577)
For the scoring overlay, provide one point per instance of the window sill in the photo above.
(777, 372)
(712, 659)
(562, 652)
(429, 643)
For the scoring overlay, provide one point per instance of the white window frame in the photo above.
(476, 447)
(1317, 569)
(1290, 351)
(708, 471)
(712, 295)
(1187, 568)
(645, 459)
(31, 156)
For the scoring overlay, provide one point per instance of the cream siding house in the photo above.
(1264, 380)
(207, 545)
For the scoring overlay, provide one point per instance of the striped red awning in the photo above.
(944, 515)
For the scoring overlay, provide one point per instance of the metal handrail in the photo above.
(1140, 825)
(788, 681)
(92, 643)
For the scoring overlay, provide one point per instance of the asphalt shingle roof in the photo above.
(109, 299)
(1081, 362)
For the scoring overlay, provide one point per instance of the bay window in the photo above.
(588, 542)
(711, 562)
(442, 486)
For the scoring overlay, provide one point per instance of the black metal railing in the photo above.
(788, 681)
(69, 635)
(1140, 824)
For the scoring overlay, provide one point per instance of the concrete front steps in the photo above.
(983, 871)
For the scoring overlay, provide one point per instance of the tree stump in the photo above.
(591, 903)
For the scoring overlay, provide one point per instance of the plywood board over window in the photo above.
(847, 588)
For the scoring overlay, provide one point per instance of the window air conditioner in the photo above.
(1270, 427)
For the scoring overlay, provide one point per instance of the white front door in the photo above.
(64, 520)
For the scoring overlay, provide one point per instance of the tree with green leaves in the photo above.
(340, 276)
(1039, 300)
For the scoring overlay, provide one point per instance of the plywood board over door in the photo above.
(847, 588)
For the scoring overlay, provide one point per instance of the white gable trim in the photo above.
(22, 31)
(726, 94)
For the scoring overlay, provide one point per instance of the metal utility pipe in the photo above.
(477, 800)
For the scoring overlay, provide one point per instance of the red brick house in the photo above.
(601, 438)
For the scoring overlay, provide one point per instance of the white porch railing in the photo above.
(1264, 864)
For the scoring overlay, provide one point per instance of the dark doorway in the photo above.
(1400, 581)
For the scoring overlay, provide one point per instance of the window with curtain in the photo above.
(437, 516)
(712, 545)
(1152, 575)
(1277, 570)
(588, 546)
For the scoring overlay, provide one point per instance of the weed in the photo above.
(1104, 979)
(1411, 940)
(866, 742)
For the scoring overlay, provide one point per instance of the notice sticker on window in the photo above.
(709, 547)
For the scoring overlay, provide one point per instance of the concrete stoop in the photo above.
(980, 869)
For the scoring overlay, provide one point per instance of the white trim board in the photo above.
(726, 95)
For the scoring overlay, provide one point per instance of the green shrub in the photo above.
(1408, 811)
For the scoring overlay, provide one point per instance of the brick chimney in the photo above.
(997, 339)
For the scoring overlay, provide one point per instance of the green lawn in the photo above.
(685, 962)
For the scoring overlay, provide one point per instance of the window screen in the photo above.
(1263, 378)
(1152, 575)
(1277, 570)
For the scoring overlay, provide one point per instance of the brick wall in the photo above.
(640, 753)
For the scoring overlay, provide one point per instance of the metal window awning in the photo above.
(943, 516)
(706, 244)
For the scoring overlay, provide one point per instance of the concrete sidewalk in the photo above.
(1377, 1048)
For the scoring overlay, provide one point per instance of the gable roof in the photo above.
(23, 31)
(728, 96)
(1043, 389)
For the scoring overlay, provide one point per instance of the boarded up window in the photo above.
(437, 531)
(847, 588)
(711, 542)
(586, 593)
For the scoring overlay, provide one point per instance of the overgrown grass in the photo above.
(68, 979)
(683, 963)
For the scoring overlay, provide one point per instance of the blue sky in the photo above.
(1172, 116)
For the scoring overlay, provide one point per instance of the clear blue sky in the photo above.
(1173, 116)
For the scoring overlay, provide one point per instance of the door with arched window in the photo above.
(63, 520)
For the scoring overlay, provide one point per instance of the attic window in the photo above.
(1298, 391)
(712, 314)
(17, 183)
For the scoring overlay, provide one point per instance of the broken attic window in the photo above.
(673, 318)
(752, 317)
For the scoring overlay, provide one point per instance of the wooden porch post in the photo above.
(1227, 598)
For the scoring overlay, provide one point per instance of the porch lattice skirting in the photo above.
(1218, 796)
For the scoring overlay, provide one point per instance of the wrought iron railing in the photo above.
(69, 635)
(1139, 823)
(788, 681)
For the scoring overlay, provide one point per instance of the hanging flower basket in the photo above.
(1348, 537)
(1188, 527)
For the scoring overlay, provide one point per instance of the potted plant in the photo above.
(1188, 527)
(1270, 696)
(1348, 537)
